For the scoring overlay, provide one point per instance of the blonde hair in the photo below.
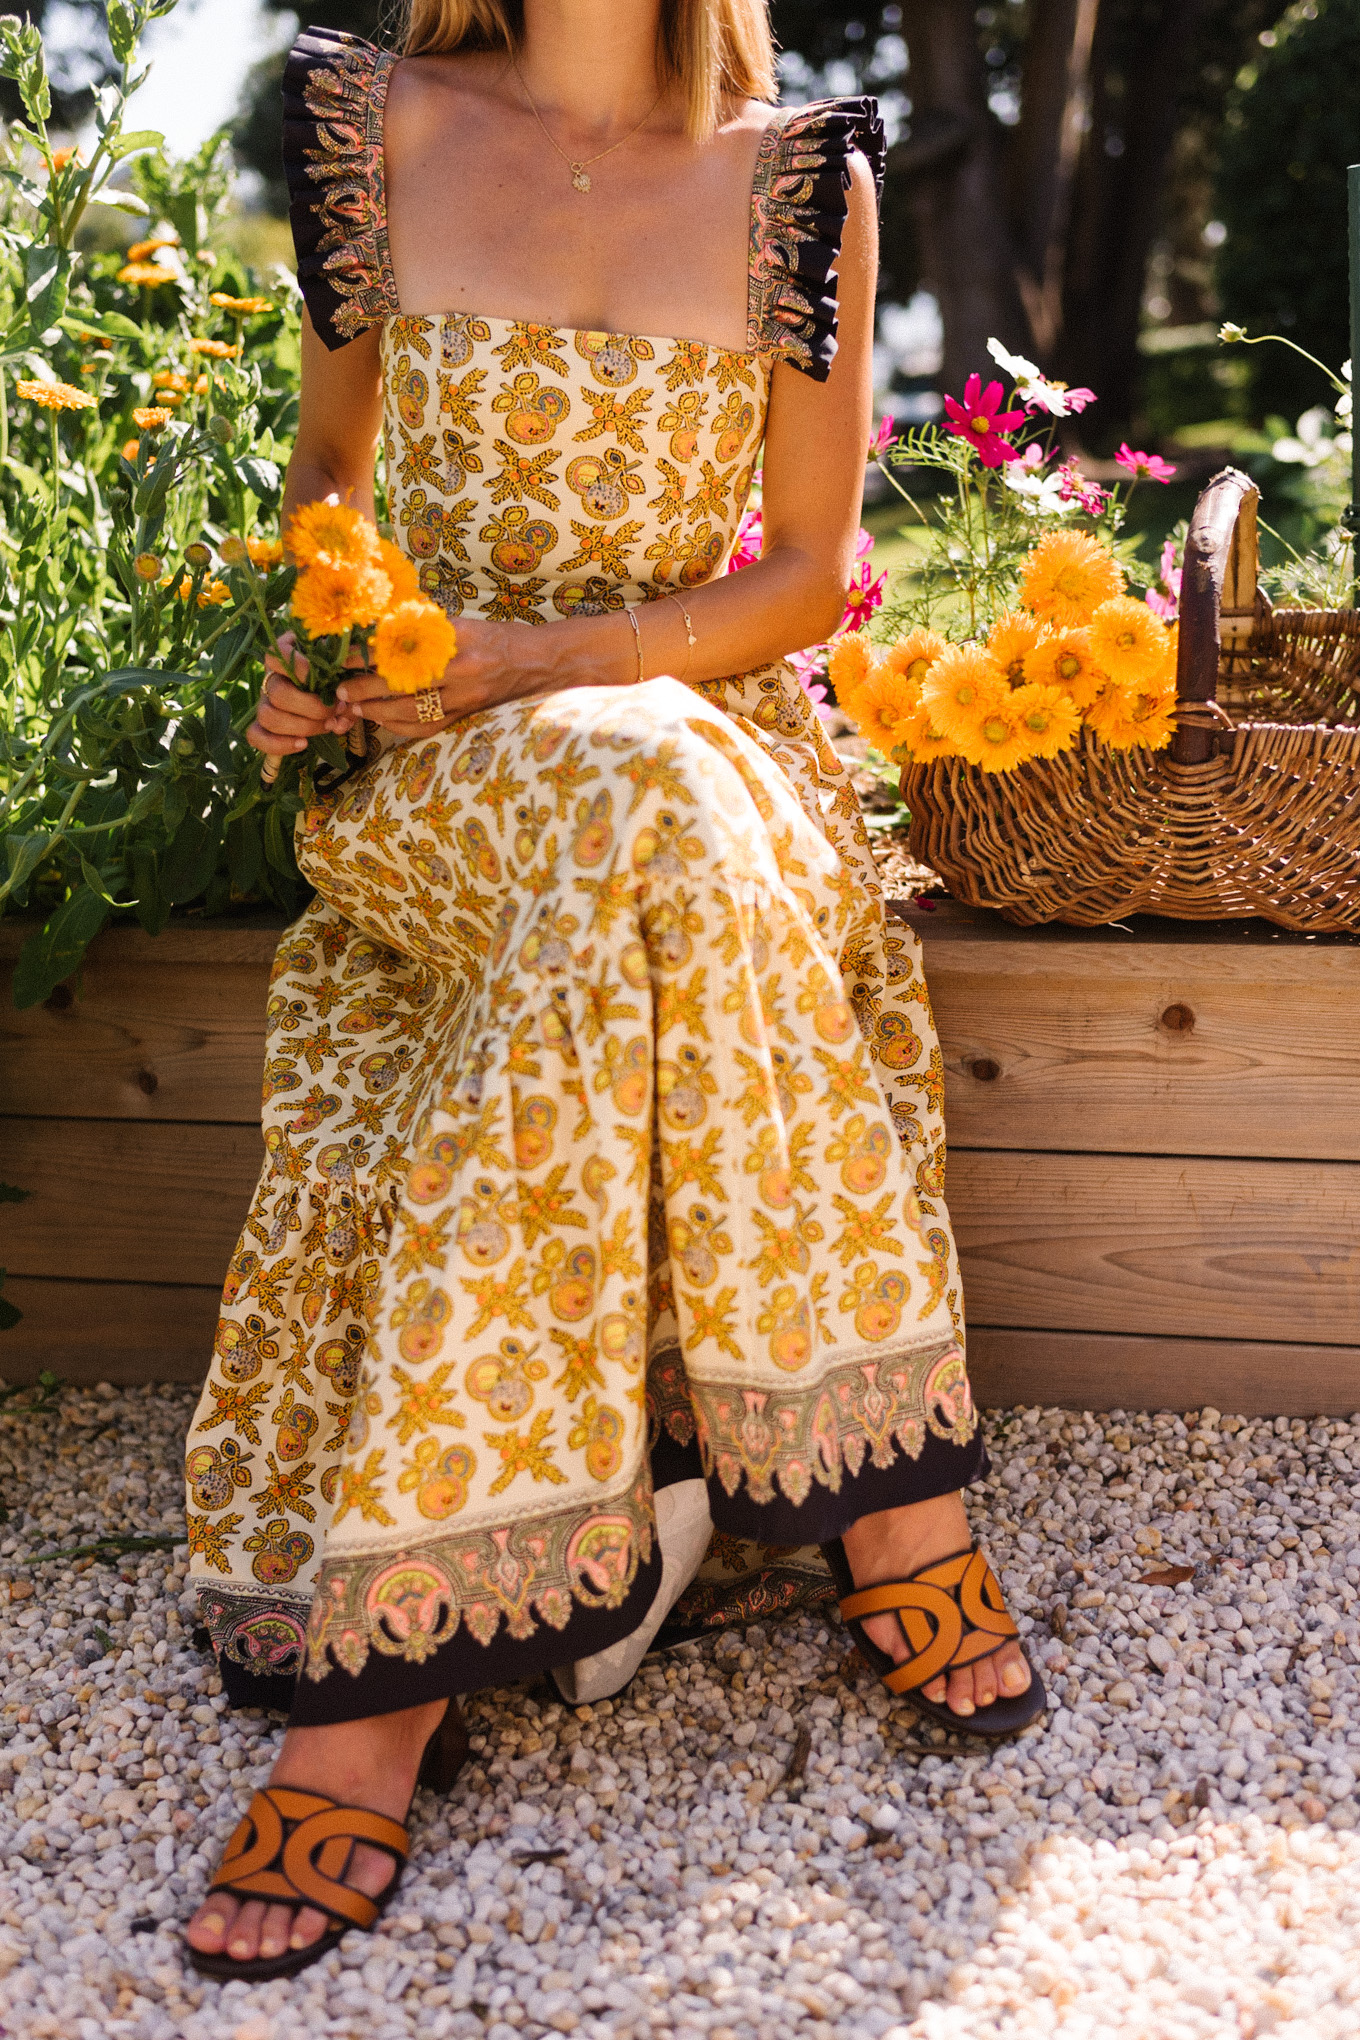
(717, 51)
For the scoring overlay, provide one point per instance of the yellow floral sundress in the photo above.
(601, 1105)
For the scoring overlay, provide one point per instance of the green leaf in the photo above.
(105, 326)
(122, 29)
(123, 201)
(24, 854)
(190, 860)
(133, 144)
(245, 853)
(185, 214)
(260, 476)
(47, 277)
(51, 955)
(278, 844)
(95, 881)
(153, 902)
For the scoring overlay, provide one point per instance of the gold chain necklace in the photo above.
(580, 181)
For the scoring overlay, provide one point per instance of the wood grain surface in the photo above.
(113, 1201)
(1184, 1247)
(109, 1331)
(1102, 1371)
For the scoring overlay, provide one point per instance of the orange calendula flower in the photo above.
(1126, 718)
(146, 274)
(881, 705)
(240, 307)
(131, 448)
(334, 533)
(171, 379)
(333, 596)
(220, 350)
(268, 552)
(915, 654)
(963, 681)
(148, 566)
(213, 593)
(151, 417)
(61, 157)
(412, 645)
(1068, 576)
(401, 573)
(997, 739)
(1013, 637)
(1128, 641)
(1063, 658)
(1049, 717)
(140, 250)
(56, 396)
(917, 734)
(848, 666)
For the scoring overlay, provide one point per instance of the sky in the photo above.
(200, 55)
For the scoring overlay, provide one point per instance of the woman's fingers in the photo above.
(261, 739)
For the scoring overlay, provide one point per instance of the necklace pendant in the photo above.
(579, 178)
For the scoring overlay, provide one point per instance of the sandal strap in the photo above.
(294, 1848)
(951, 1613)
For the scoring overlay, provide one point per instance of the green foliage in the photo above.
(1292, 128)
(129, 661)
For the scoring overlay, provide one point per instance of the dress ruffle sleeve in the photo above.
(334, 90)
(800, 201)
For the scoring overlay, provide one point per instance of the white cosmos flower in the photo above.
(1042, 494)
(1030, 386)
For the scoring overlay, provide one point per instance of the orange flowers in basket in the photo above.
(1077, 652)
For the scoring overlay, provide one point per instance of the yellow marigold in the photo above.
(139, 250)
(1128, 641)
(268, 552)
(412, 645)
(1063, 658)
(918, 736)
(401, 573)
(848, 666)
(332, 532)
(1067, 576)
(151, 417)
(997, 739)
(212, 594)
(240, 307)
(1013, 637)
(915, 654)
(881, 704)
(963, 681)
(1049, 716)
(220, 350)
(1129, 717)
(146, 274)
(56, 396)
(171, 379)
(333, 596)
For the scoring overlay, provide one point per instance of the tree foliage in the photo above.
(1293, 126)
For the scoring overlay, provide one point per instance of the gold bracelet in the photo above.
(637, 633)
(689, 629)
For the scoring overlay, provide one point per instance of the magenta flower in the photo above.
(1079, 398)
(980, 421)
(864, 544)
(1163, 597)
(1144, 467)
(1077, 489)
(883, 438)
(863, 597)
(746, 546)
(809, 671)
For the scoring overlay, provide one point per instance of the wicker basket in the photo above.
(1253, 809)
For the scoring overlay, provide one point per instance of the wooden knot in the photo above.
(1178, 1020)
(985, 1070)
(149, 1082)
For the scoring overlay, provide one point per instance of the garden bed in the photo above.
(1152, 1159)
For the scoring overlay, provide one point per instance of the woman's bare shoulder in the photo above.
(429, 92)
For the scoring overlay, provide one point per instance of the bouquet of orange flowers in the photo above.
(1077, 650)
(356, 590)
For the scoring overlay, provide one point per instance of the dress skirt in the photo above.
(603, 1153)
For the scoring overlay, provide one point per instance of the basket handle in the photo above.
(1217, 606)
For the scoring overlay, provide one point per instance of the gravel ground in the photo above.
(755, 1841)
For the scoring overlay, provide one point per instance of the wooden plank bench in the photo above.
(1154, 1156)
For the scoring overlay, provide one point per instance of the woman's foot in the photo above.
(370, 1763)
(893, 1544)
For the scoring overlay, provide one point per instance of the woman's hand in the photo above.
(495, 662)
(287, 716)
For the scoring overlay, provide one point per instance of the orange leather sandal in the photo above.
(951, 1613)
(295, 1848)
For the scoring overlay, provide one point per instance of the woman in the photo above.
(585, 1230)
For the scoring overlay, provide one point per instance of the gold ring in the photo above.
(429, 707)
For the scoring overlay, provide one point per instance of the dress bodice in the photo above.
(533, 471)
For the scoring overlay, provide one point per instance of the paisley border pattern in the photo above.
(334, 97)
(799, 204)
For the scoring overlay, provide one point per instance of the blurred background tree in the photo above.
(79, 58)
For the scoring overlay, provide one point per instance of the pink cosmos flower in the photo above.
(746, 548)
(980, 421)
(1079, 398)
(1077, 489)
(885, 435)
(809, 671)
(863, 597)
(1164, 596)
(1144, 467)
